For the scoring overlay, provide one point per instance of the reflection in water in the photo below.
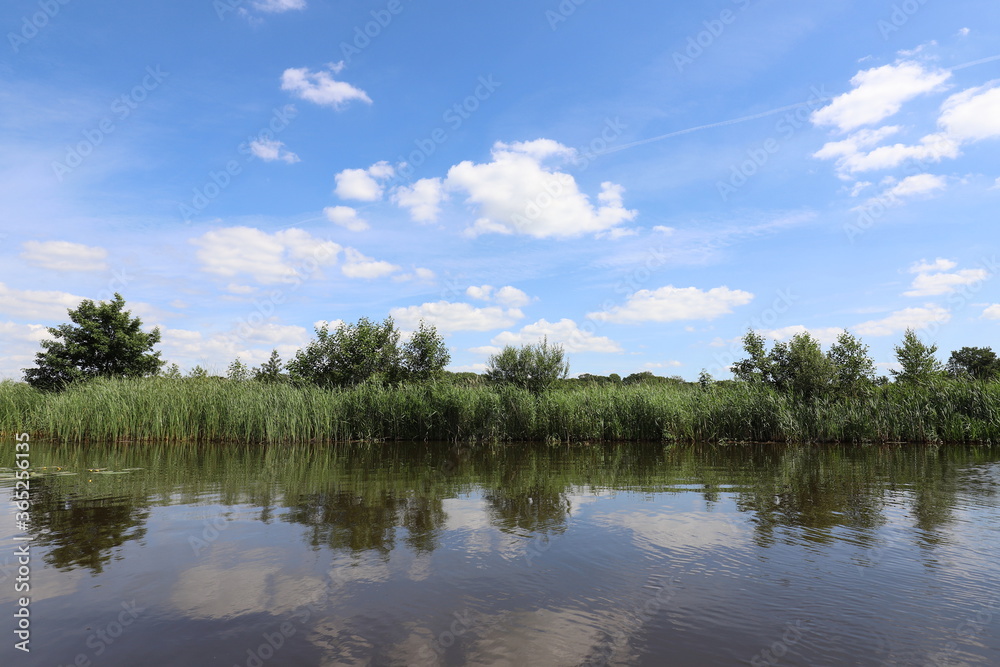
(425, 554)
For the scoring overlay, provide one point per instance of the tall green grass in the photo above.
(199, 410)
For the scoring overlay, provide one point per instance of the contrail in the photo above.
(758, 115)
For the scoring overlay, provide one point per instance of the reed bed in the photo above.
(213, 410)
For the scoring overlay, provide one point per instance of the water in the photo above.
(432, 555)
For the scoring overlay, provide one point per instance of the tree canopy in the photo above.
(532, 367)
(104, 340)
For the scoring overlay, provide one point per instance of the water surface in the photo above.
(544, 555)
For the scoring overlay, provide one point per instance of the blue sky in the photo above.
(638, 183)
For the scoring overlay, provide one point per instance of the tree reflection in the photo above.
(81, 531)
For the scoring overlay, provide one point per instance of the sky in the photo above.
(638, 182)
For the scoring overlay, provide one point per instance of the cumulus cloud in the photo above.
(321, 88)
(449, 317)
(284, 256)
(252, 344)
(422, 199)
(363, 184)
(898, 192)
(505, 296)
(565, 332)
(901, 320)
(669, 304)
(879, 93)
(36, 304)
(357, 265)
(64, 256)
(270, 150)
(346, 217)
(992, 312)
(935, 278)
(973, 114)
(517, 194)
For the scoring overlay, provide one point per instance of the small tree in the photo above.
(919, 365)
(103, 341)
(853, 367)
(532, 367)
(974, 363)
(271, 370)
(425, 355)
(171, 372)
(238, 371)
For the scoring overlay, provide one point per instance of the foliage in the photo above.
(799, 367)
(103, 341)
(757, 366)
(919, 365)
(974, 363)
(271, 370)
(238, 371)
(368, 352)
(424, 355)
(853, 367)
(531, 367)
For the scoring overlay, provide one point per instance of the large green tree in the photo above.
(853, 366)
(975, 363)
(104, 340)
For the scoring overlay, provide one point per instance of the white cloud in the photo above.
(278, 6)
(508, 296)
(932, 148)
(511, 297)
(422, 274)
(271, 149)
(357, 265)
(423, 199)
(64, 256)
(517, 194)
(911, 186)
(973, 114)
(252, 345)
(449, 317)
(36, 305)
(963, 32)
(933, 278)
(565, 332)
(346, 217)
(283, 256)
(480, 293)
(879, 93)
(363, 184)
(321, 88)
(992, 312)
(660, 365)
(825, 335)
(901, 320)
(669, 304)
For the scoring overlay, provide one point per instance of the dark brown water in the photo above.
(429, 555)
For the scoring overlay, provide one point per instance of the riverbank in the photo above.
(199, 410)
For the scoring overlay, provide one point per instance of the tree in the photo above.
(757, 366)
(368, 352)
(800, 367)
(103, 341)
(919, 365)
(425, 355)
(532, 367)
(271, 370)
(975, 363)
(853, 367)
(238, 371)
